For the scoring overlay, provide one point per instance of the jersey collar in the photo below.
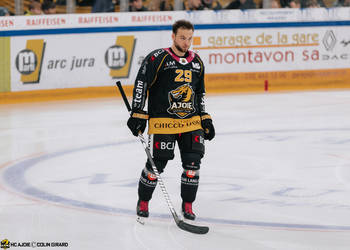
(181, 60)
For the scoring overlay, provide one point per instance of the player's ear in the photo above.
(173, 36)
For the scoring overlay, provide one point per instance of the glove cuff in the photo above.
(140, 115)
(205, 117)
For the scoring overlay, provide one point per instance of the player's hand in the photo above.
(137, 122)
(208, 127)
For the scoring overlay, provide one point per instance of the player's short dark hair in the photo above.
(182, 24)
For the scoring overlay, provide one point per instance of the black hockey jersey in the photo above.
(175, 89)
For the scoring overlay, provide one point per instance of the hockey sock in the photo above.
(147, 184)
(189, 185)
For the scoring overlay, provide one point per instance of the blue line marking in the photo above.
(169, 28)
(14, 176)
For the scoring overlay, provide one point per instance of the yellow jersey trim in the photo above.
(203, 117)
(173, 126)
(141, 116)
(155, 78)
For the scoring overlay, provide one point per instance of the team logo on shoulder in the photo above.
(181, 101)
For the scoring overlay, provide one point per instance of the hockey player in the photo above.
(173, 79)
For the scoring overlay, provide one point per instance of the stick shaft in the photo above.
(121, 90)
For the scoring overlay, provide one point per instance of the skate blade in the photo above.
(141, 220)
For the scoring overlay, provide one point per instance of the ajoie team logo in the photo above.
(181, 101)
(5, 244)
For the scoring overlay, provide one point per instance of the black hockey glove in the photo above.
(208, 127)
(137, 122)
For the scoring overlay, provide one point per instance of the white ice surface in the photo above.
(277, 176)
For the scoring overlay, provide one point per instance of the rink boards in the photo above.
(83, 55)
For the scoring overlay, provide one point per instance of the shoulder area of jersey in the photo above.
(197, 56)
(155, 54)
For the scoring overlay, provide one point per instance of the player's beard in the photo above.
(179, 48)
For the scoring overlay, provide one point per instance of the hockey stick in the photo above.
(179, 222)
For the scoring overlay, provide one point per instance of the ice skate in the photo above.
(142, 211)
(187, 211)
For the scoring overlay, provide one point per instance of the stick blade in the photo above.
(192, 228)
